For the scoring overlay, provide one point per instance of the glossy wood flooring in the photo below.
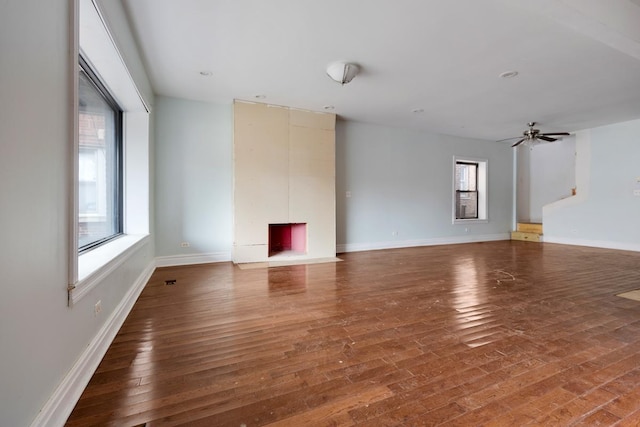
(500, 333)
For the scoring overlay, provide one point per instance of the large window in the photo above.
(470, 190)
(99, 162)
(111, 155)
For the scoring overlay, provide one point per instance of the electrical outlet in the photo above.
(184, 245)
(348, 194)
(394, 233)
(97, 308)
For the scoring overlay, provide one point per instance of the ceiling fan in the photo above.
(532, 134)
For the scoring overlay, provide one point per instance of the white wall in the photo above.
(40, 336)
(402, 181)
(523, 183)
(552, 174)
(193, 179)
(604, 211)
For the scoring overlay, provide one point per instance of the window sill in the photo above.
(470, 221)
(95, 265)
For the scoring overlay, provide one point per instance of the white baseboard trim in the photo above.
(453, 240)
(623, 246)
(176, 260)
(59, 406)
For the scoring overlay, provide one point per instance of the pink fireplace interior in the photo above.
(287, 239)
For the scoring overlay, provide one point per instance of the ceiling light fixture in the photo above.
(342, 72)
(508, 74)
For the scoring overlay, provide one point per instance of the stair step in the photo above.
(525, 236)
(530, 227)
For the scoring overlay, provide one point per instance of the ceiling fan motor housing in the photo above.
(531, 133)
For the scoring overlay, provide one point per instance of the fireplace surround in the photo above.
(284, 184)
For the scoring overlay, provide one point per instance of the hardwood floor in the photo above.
(501, 334)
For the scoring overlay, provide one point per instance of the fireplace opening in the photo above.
(287, 239)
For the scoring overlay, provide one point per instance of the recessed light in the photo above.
(508, 74)
(260, 96)
(417, 110)
(329, 107)
(206, 73)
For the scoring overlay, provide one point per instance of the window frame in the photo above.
(460, 192)
(118, 167)
(482, 189)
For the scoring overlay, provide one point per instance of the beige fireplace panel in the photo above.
(284, 172)
(312, 153)
(312, 186)
(261, 159)
(307, 195)
(250, 253)
(312, 120)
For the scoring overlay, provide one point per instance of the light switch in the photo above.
(348, 194)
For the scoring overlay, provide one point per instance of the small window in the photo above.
(469, 190)
(466, 190)
(99, 162)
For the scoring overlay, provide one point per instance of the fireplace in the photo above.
(287, 239)
(284, 194)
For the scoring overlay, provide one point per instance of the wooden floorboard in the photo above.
(498, 334)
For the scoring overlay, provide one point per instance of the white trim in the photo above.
(59, 406)
(623, 246)
(74, 121)
(97, 264)
(514, 189)
(470, 221)
(206, 258)
(453, 240)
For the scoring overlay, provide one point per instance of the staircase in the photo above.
(528, 231)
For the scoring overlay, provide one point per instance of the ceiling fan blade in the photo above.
(556, 134)
(546, 138)
(507, 139)
(518, 143)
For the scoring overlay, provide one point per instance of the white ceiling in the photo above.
(578, 60)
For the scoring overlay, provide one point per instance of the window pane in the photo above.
(466, 176)
(98, 166)
(466, 204)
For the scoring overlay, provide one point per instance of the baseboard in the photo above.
(58, 408)
(452, 240)
(176, 260)
(623, 246)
